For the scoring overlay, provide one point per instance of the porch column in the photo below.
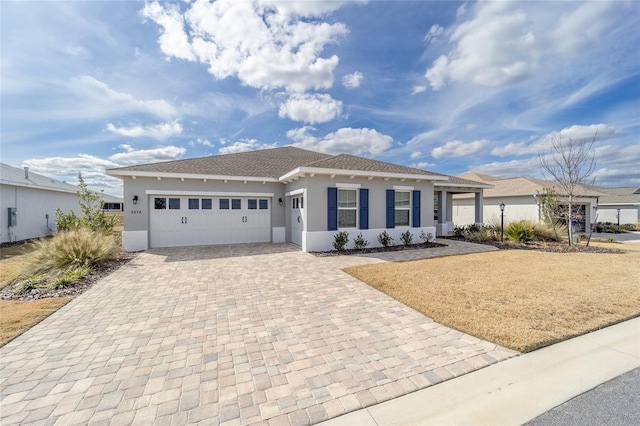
(445, 213)
(479, 207)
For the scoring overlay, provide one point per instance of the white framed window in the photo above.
(347, 208)
(402, 208)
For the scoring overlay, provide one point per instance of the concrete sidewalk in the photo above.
(516, 390)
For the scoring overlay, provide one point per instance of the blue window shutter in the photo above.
(332, 209)
(364, 208)
(416, 209)
(391, 208)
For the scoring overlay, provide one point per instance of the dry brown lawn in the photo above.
(17, 316)
(517, 298)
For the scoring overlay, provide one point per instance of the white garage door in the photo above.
(196, 220)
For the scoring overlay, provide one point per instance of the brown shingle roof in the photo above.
(271, 163)
(526, 186)
(352, 162)
(625, 195)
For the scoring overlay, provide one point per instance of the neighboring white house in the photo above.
(275, 195)
(619, 201)
(28, 202)
(520, 196)
(112, 204)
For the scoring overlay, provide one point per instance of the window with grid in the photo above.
(347, 208)
(402, 208)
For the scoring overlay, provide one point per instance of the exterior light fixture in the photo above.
(280, 201)
(502, 222)
(135, 199)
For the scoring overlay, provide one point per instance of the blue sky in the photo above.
(445, 86)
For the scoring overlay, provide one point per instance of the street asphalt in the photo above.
(616, 402)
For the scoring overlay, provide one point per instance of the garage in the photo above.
(192, 220)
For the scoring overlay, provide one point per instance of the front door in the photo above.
(297, 219)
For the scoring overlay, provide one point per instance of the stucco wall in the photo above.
(516, 208)
(316, 237)
(136, 217)
(317, 199)
(33, 206)
(628, 214)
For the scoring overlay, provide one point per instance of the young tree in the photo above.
(570, 163)
(550, 208)
(92, 216)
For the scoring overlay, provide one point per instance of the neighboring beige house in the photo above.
(520, 196)
(622, 201)
(283, 194)
(28, 203)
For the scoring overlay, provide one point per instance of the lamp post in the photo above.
(501, 222)
(618, 219)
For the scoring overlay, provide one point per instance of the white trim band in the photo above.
(209, 193)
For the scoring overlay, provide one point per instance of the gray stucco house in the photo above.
(283, 194)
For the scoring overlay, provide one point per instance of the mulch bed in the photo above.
(376, 249)
(551, 246)
(7, 293)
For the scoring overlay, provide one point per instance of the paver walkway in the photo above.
(231, 335)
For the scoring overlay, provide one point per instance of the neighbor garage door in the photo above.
(196, 220)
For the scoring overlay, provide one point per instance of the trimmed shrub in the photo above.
(360, 243)
(519, 232)
(340, 240)
(406, 238)
(425, 237)
(385, 239)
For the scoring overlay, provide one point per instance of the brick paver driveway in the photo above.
(245, 334)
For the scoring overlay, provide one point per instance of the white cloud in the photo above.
(265, 44)
(494, 48)
(311, 109)
(460, 149)
(504, 42)
(344, 141)
(434, 32)
(582, 26)
(351, 81)
(131, 156)
(98, 100)
(418, 89)
(308, 8)
(513, 168)
(422, 165)
(613, 164)
(203, 142)
(160, 131)
(244, 146)
(575, 132)
(66, 169)
(416, 154)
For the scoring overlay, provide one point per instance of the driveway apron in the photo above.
(228, 335)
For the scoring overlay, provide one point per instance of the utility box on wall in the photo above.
(12, 214)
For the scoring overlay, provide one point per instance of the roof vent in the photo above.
(26, 172)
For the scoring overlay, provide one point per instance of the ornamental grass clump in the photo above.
(73, 249)
(66, 258)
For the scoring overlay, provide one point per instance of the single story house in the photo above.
(619, 201)
(520, 197)
(112, 204)
(28, 203)
(276, 195)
